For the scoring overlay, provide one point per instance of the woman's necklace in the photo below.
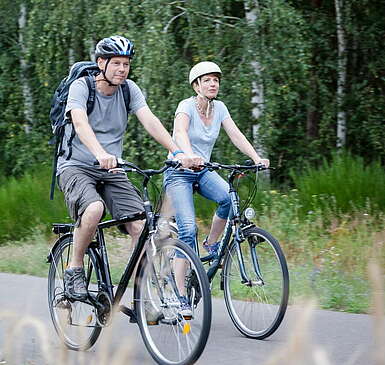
(200, 109)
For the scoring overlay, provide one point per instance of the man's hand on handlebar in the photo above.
(106, 161)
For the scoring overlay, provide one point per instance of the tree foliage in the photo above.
(295, 43)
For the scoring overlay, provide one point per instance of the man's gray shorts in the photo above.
(84, 185)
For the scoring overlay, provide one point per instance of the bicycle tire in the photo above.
(75, 322)
(170, 338)
(257, 310)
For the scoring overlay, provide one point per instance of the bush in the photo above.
(25, 205)
(343, 185)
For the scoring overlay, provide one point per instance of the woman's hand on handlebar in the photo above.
(262, 161)
(192, 162)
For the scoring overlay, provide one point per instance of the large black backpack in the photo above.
(59, 101)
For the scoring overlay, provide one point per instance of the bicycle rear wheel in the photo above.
(75, 322)
(257, 308)
(170, 337)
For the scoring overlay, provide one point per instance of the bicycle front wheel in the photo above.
(167, 275)
(75, 322)
(258, 306)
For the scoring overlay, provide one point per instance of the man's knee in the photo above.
(135, 228)
(93, 213)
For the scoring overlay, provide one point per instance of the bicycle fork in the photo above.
(244, 277)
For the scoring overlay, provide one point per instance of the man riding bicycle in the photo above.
(89, 190)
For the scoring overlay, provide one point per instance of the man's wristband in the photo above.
(176, 152)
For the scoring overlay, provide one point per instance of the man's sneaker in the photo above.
(75, 283)
(211, 249)
(185, 308)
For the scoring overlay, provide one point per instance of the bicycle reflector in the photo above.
(249, 213)
(186, 328)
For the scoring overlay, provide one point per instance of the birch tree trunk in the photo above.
(257, 86)
(313, 109)
(91, 50)
(341, 82)
(27, 94)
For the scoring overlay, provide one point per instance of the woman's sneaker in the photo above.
(75, 283)
(211, 249)
(185, 308)
(152, 315)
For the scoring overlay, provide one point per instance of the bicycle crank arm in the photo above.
(128, 312)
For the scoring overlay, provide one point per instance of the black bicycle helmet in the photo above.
(114, 46)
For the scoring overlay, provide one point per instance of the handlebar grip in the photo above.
(173, 163)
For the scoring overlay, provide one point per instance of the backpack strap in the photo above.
(126, 96)
(57, 152)
(90, 80)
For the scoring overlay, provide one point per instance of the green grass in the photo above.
(25, 206)
(346, 183)
(327, 257)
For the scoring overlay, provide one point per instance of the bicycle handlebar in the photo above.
(130, 167)
(218, 166)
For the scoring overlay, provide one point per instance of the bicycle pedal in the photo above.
(153, 323)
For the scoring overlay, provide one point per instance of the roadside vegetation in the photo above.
(330, 224)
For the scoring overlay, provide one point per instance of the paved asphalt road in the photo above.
(305, 337)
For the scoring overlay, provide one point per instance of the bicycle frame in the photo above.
(99, 245)
(233, 229)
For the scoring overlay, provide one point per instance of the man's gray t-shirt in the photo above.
(108, 120)
(202, 137)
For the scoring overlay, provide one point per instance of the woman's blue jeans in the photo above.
(179, 188)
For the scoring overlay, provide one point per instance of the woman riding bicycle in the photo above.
(197, 123)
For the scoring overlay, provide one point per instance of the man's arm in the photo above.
(156, 129)
(87, 137)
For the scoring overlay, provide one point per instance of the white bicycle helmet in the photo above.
(203, 68)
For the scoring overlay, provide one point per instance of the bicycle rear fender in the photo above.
(56, 244)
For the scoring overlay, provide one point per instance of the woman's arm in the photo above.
(156, 129)
(181, 124)
(240, 141)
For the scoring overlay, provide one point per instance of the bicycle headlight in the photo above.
(249, 213)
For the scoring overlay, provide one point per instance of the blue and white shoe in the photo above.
(211, 249)
(185, 308)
